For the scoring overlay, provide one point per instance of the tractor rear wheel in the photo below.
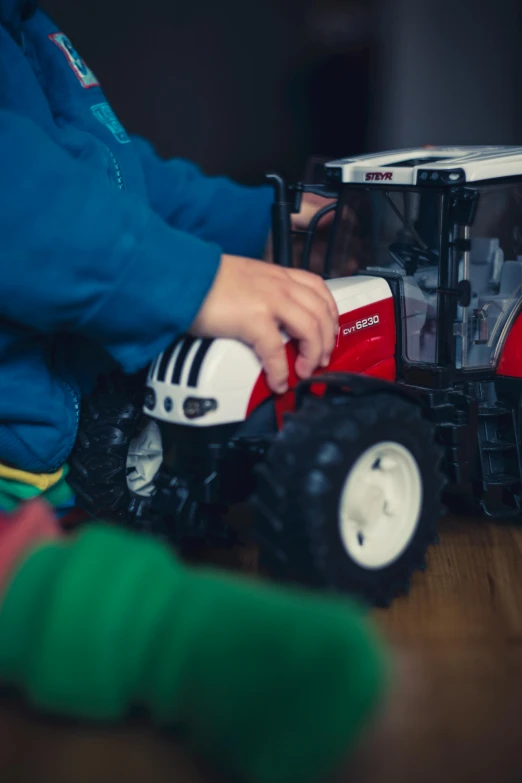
(349, 496)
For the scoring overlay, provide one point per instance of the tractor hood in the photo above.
(207, 382)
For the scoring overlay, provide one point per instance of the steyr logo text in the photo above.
(379, 176)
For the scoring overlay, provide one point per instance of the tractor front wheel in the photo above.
(116, 470)
(349, 496)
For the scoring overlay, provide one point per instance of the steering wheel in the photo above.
(410, 257)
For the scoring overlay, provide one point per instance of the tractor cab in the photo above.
(444, 227)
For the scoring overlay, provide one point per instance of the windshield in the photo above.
(392, 229)
(395, 230)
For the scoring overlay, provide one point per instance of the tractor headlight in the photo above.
(150, 398)
(195, 407)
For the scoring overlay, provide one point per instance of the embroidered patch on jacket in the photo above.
(85, 76)
(105, 115)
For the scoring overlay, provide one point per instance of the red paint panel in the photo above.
(361, 346)
(365, 344)
(386, 370)
(510, 363)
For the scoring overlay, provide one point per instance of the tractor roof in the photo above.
(428, 166)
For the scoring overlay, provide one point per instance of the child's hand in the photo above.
(311, 204)
(252, 302)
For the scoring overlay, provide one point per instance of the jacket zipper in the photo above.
(117, 168)
(76, 399)
(121, 185)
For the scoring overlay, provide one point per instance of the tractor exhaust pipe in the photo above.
(281, 222)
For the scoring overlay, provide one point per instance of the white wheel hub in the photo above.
(144, 460)
(380, 505)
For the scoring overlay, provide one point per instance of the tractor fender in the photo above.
(356, 385)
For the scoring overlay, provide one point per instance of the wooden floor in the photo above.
(456, 716)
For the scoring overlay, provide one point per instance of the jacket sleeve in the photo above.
(215, 209)
(77, 255)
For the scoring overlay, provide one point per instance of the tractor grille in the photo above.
(172, 365)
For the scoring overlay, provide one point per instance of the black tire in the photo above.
(300, 485)
(109, 421)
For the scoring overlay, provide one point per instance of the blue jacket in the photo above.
(106, 251)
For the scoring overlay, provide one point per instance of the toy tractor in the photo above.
(420, 406)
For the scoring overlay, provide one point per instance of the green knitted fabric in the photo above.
(271, 686)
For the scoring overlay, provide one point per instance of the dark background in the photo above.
(243, 87)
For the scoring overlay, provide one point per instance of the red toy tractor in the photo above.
(420, 405)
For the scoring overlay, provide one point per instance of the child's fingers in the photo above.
(318, 285)
(311, 204)
(252, 302)
(305, 327)
(315, 304)
(301, 324)
(271, 352)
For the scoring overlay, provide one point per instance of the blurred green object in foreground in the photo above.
(271, 686)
